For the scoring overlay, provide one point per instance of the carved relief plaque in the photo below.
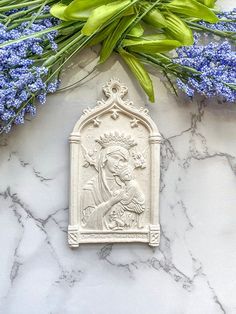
(115, 164)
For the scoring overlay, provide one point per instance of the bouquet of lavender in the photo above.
(38, 37)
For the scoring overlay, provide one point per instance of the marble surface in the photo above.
(194, 269)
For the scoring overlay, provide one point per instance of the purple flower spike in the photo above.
(216, 63)
(21, 79)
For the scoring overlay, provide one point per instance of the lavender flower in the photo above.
(216, 63)
(21, 78)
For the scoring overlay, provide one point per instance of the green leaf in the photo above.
(192, 8)
(139, 72)
(104, 34)
(232, 86)
(178, 29)
(137, 30)
(151, 46)
(154, 17)
(80, 5)
(57, 10)
(129, 11)
(81, 9)
(66, 1)
(77, 15)
(111, 41)
(102, 14)
(155, 36)
(208, 3)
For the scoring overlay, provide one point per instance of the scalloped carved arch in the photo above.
(115, 92)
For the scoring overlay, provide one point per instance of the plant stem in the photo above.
(52, 59)
(6, 2)
(19, 21)
(62, 42)
(37, 14)
(233, 86)
(176, 65)
(170, 82)
(14, 16)
(35, 35)
(155, 61)
(75, 83)
(69, 57)
(214, 31)
(19, 5)
(28, 18)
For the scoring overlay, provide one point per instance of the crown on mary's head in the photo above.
(116, 139)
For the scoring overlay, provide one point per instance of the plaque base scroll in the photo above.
(151, 236)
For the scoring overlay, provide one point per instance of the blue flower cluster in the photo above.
(227, 22)
(216, 64)
(21, 78)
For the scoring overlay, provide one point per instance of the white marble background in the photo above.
(193, 271)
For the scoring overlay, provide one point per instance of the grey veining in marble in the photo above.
(194, 269)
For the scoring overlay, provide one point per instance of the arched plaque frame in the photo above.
(106, 115)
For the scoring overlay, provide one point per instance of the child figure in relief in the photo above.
(127, 213)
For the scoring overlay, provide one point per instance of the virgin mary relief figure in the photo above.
(112, 199)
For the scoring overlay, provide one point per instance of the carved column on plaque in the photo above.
(73, 230)
(154, 228)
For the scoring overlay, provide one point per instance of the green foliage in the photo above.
(103, 14)
(110, 42)
(58, 11)
(192, 8)
(208, 3)
(101, 36)
(151, 46)
(178, 29)
(154, 17)
(137, 28)
(81, 9)
(139, 72)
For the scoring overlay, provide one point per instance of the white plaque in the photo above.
(115, 166)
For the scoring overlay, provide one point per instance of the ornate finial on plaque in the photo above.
(114, 88)
(115, 151)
